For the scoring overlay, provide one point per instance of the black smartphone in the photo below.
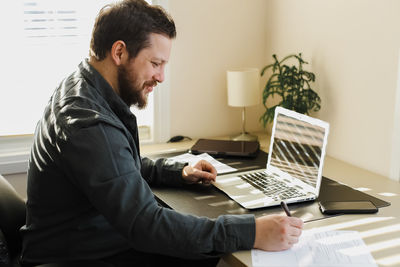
(347, 207)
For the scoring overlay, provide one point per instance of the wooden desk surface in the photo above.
(380, 232)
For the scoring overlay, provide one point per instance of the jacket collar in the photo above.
(114, 101)
(104, 88)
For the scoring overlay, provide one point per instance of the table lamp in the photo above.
(244, 91)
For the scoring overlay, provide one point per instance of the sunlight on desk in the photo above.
(353, 223)
(384, 244)
(363, 189)
(380, 231)
(237, 211)
(204, 197)
(387, 194)
(223, 203)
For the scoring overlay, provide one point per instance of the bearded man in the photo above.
(88, 187)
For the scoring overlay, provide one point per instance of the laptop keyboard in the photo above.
(270, 186)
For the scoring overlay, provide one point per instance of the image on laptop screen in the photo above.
(294, 168)
(297, 148)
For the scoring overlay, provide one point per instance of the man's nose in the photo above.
(159, 76)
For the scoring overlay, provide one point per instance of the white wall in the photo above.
(212, 37)
(352, 47)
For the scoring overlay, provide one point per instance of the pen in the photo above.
(286, 209)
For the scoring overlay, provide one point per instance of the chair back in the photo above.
(12, 217)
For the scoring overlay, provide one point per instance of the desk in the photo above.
(381, 231)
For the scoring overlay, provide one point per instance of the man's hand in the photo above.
(276, 232)
(203, 171)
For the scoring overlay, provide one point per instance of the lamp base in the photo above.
(244, 137)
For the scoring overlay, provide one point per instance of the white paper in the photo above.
(193, 159)
(330, 249)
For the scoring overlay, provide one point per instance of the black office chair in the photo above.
(12, 218)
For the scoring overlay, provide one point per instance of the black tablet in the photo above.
(226, 148)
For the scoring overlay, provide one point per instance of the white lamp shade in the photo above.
(243, 87)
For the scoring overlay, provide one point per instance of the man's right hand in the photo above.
(276, 232)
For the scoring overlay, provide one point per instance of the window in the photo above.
(46, 40)
(42, 42)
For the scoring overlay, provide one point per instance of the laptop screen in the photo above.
(297, 148)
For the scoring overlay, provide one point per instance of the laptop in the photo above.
(223, 148)
(294, 167)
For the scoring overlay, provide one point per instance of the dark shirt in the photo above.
(88, 187)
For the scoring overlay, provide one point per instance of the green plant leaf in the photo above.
(292, 84)
(265, 68)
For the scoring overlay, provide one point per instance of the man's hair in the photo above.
(131, 21)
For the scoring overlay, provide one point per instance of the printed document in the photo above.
(329, 248)
(193, 159)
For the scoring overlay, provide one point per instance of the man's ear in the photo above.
(119, 53)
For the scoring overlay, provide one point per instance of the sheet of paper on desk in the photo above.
(329, 248)
(193, 159)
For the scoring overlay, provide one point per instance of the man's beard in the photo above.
(128, 91)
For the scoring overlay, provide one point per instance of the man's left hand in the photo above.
(202, 171)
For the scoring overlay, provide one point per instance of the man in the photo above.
(88, 187)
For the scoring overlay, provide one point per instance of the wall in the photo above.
(352, 47)
(212, 37)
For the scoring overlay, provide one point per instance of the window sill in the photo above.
(15, 150)
(14, 153)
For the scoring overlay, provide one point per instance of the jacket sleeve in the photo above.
(162, 171)
(100, 162)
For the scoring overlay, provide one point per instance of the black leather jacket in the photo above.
(88, 187)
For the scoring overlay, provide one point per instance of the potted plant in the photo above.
(293, 86)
